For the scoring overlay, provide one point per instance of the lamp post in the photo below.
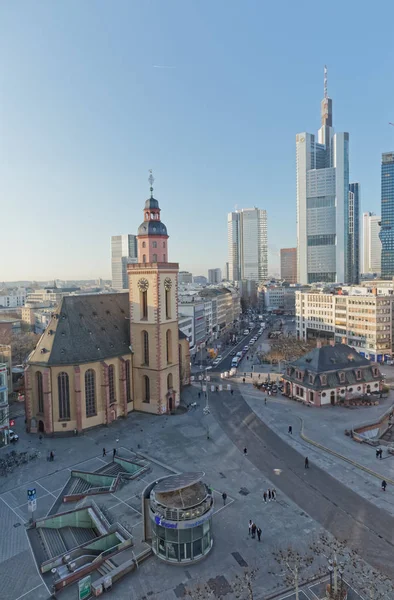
(330, 569)
(206, 409)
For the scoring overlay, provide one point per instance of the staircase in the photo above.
(79, 486)
(83, 535)
(53, 542)
(106, 568)
(111, 469)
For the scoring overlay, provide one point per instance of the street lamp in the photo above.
(330, 569)
(206, 409)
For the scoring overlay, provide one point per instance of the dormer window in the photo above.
(375, 372)
(311, 378)
(323, 379)
(358, 374)
(341, 377)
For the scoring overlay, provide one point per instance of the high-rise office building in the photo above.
(288, 264)
(123, 251)
(322, 201)
(247, 245)
(387, 222)
(372, 246)
(353, 263)
(214, 275)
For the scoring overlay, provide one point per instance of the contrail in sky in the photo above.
(163, 67)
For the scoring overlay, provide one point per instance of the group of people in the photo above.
(253, 529)
(270, 495)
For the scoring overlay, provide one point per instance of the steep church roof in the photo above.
(85, 329)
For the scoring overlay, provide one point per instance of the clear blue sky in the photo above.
(84, 114)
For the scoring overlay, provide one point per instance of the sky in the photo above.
(85, 113)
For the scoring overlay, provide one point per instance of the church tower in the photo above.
(153, 296)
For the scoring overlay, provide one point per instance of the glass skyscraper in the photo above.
(123, 251)
(353, 263)
(322, 201)
(247, 245)
(387, 222)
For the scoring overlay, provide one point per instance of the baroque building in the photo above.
(105, 355)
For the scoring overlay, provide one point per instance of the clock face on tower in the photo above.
(167, 283)
(143, 284)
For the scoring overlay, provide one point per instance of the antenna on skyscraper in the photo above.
(325, 82)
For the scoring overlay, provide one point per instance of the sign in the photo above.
(184, 524)
(84, 588)
(32, 505)
(31, 494)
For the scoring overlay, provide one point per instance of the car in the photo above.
(246, 348)
(14, 437)
(232, 353)
(239, 354)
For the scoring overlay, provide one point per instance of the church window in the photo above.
(40, 392)
(146, 388)
(144, 258)
(168, 304)
(143, 244)
(144, 304)
(155, 258)
(90, 393)
(169, 345)
(63, 389)
(164, 244)
(147, 215)
(169, 382)
(154, 244)
(145, 348)
(128, 382)
(111, 383)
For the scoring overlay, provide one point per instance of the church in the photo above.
(105, 355)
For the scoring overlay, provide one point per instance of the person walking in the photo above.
(104, 452)
(250, 526)
(199, 395)
(224, 496)
(377, 452)
(265, 497)
(232, 391)
(306, 463)
(51, 456)
(290, 430)
(259, 376)
(269, 495)
(380, 453)
(243, 380)
(114, 452)
(259, 533)
(254, 530)
(265, 400)
(384, 485)
(273, 494)
(245, 451)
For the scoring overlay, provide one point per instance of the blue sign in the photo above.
(31, 494)
(166, 524)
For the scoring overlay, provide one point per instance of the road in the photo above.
(337, 508)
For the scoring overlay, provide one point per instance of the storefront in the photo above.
(181, 509)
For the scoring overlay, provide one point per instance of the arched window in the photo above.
(40, 392)
(143, 244)
(169, 345)
(145, 348)
(164, 244)
(111, 383)
(144, 304)
(169, 381)
(63, 389)
(168, 304)
(155, 258)
(154, 244)
(128, 382)
(90, 393)
(146, 388)
(144, 258)
(147, 215)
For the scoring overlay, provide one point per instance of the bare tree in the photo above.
(292, 564)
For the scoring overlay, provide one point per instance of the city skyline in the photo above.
(79, 159)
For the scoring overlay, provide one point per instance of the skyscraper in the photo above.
(214, 275)
(387, 222)
(322, 201)
(123, 251)
(372, 246)
(247, 245)
(288, 264)
(353, 263)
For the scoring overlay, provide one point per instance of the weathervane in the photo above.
(151, 180)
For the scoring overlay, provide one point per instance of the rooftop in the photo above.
(330, 358)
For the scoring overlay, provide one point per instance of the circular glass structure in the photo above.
(181, 508)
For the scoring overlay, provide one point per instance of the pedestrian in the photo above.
(104, 452)
(269, 495)
(224, 496)
(258, 533)
(40, 438)
(254, 530)
(245, 451)
(243, 380)
(259, 375)
(199, 395)
(377, 452)
(290, 430)
(380, 453)
(273, 494)
(250, 526)
(52, 456)
(265, 400)
(247, 358)
(384, 485)
(232, 391)
(114, 452)
(306, 463)
(265, 497)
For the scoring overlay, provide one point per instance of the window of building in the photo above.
(311, 378)
(169, 381)
(143, 244)
(164, 244)
(40, 392)
(154, 244)
(324, 379)
(341, 377)
(144, 304)
(145, 348)
(90, 393)
(111, 383)
(358, 374)
(169, 345)
(63, 389)
(375, 372)
(144, 258)
(155, 258)
(128, 382)
(146, 388)
(168, 304)
(164, 258)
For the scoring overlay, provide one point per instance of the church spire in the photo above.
(151, 180)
